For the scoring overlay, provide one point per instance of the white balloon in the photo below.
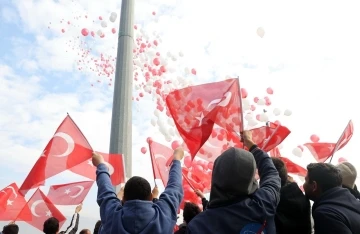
(264, 117)
(187, 70)
(297, 152)
(260, 32)
(99, 33)
(173, 59)
(168, 138)
(277, 111)
(248, 116)
(168, 54)
(171, 132)
(261, 102)
(181, 54)
(252, 123)
(153, 122)
(103, 24)
(156, 113)
(287, 112)
(112, 18)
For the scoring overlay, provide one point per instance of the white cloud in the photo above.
(308, 56)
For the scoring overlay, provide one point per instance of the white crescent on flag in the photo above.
(69, 141)
(33, 207)
(221, 101)
(81, 190)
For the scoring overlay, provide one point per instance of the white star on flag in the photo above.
(48, 213)
(9, 202)
(200, 118)
(67, 191)
(231, 143)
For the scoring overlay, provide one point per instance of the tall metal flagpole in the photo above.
(121, 122)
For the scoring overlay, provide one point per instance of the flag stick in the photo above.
(241, 111)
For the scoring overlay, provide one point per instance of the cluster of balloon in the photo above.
(85, 36)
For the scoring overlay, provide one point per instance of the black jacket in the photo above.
(336, 211)
(293, 214)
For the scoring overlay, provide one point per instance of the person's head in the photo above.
(233, 176)
(85, 231)
(281, 168)
(348, 173)
(137, 188)
(97, 227)
(51, 226)
(320, 178)
(11, 229)
(190, 211)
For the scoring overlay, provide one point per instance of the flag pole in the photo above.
(241, 112)
(152, 161)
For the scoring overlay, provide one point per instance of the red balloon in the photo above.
(100, 18)
(341, 160)
(193, 71)
(113, 30)
(187, 161)
(258, 117)
(62, 30)
(148, 139)
(256, 99)
(155, 43)
(143, 150)
(153, 13)
(175, 145)
(244, 93)
(211, 165)
(156, 61)
(314, 138)
(269, 90)
(84, 32)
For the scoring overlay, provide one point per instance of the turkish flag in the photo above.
(69, 194)
(38, 209)
(115, 163)
(11, 202)
(268, 137)
(196, 109)
(345, 137)
(160, 154)
(290, 165)
(320, 151)
(66, 149)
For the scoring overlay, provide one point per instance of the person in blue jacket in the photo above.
(138, 214)
(237, 205)
(335, 209)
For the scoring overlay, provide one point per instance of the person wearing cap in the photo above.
(349, 174)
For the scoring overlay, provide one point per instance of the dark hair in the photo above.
(326, 175)
(190, 211)
(281, 168)
(137, 188)
(51, 226)
(97, 227)
(11, 229)
(84, 231)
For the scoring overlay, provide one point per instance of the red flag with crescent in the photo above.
(66, 149)
(69, 194)
(11, 202)
(197, 109)
(38, 209)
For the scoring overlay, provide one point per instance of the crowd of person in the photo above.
(238, 202)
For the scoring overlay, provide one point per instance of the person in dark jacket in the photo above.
(349, 174)
(138, 214)
(74, 225)
(236, 203)
(293, 214)
(190, 211)
(97, 227)
(335, 209)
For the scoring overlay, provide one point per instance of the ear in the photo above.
(315, 186)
